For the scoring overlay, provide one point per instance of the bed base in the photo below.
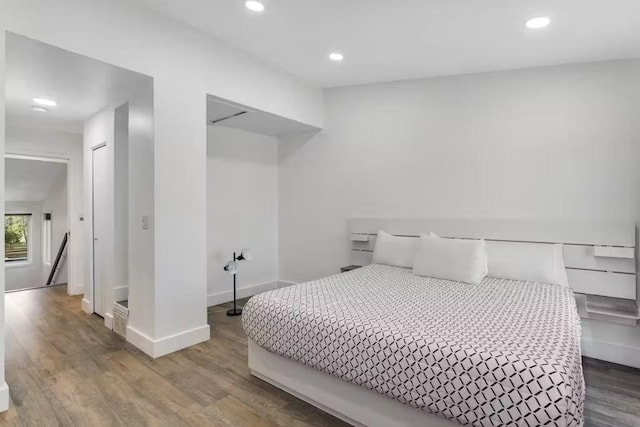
(351, 403)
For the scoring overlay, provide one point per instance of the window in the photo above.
(16, 237)
(47, 236)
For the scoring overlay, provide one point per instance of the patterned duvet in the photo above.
(500, 353)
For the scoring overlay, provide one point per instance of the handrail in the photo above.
(55, 264)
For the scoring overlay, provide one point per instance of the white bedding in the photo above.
(502, 352)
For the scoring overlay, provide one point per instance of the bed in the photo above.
(502, 352)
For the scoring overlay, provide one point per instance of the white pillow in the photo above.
(451, 259)
(531, 262)
(394, 250)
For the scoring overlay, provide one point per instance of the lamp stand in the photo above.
(234, 311)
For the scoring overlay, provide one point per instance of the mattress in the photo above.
(503, 352)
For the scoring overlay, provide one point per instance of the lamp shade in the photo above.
(245, 255)
(231, 267)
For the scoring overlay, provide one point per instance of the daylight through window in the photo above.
(16, 237)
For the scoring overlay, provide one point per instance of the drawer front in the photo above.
(616, 285)
(578, 256)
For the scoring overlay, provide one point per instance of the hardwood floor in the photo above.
(613, 394)
(65, 368)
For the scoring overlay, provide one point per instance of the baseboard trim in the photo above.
(140, 340)
(87, 306)
(4, 397)
(170, 344)
(77, 289)
(108, 321)
(615, 353)
(285, 283)
(244, 292)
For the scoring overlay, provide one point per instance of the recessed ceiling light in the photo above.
(538, 22)
(336, 56)
(255, 6)
(45, 102)
(39, 108)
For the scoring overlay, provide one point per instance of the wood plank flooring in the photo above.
(65, 368)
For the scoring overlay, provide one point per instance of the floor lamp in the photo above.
(232, 268)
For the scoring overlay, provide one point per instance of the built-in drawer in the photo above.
(616, 285)
(578, 256)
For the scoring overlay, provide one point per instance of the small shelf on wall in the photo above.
(607, 309)
(613, 252)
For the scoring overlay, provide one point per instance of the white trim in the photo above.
(50, 159)
(243, 292)
(140, 340)
(90, 253)
(166, 345)
(75, 289)
(53, 157)
(99, 145)
(285, 283)
(23, 263)
(354, 404)
(610, 352)
(108, 321)
(4, 397)
(18, 264)
(87, 306)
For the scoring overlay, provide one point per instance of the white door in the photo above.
(100, 229)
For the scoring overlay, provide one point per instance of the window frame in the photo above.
(47, 238)
(22, 262)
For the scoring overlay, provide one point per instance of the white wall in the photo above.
(141, 242)
(4, 389)
(21, 275)
(185, 65)
(242, 211)
(124, 33)
(127, 131)
(56, 203)
(553, 143)
(62, 146)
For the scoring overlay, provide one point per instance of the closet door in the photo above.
(100, 226)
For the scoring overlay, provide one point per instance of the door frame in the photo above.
(92, 286)
(52, 158)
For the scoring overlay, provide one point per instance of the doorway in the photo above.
(36, 222)
(67, 105)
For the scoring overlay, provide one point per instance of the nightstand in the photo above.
(349, 268)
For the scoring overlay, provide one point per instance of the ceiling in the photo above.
(31, 180)
(233, 115)
(386, 40)
(80, 85)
